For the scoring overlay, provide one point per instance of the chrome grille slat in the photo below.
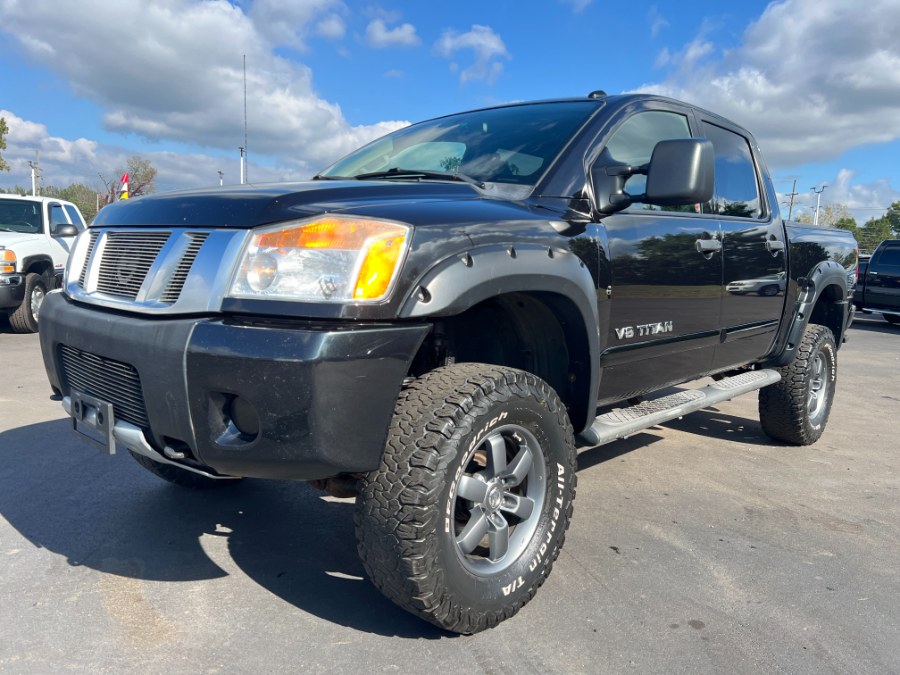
(127, 258)
(173, 290)
(108, 380)
(91, 244)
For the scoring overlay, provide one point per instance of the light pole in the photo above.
(818, 199)
(221, 177)
(241, 148)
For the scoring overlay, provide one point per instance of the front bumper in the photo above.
(323, 395)
(12, 290)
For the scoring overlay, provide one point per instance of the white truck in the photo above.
(36, 235)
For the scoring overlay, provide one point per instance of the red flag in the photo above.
(124, 179)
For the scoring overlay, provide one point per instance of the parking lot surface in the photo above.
(696, 547)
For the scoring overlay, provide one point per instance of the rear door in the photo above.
(753, 248)
(883, 278)
(665, 294)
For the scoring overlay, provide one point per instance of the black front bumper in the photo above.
(323, 394)
(12, 290)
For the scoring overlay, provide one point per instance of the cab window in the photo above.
(633, 142)
(736, 192)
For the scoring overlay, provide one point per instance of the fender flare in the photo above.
(39, 258)
(826, 273)
(461, 281)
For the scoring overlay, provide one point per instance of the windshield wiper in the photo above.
(319, 176)
(396, 172)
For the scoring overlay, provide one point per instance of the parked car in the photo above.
(878, 287)
(36, 235)
(429, 322)
(772, 284)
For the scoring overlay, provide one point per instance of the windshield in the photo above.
(20, 216)
(514, 145)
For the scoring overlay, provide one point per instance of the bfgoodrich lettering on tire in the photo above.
(462, 522)
(796, 409)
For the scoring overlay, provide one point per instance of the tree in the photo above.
(3, 131)
(893, 216)
(83, 196)
(141, 174)
(873, 233)
(829, 216)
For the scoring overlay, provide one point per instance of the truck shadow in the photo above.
(873, 323)
(110, 515)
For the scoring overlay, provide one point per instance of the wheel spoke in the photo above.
(521, 507)
(520, 466)
(498, 454)
(498, 537)
(474, 530)
(472, 489)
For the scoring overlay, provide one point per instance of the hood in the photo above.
(247, 206)
(10, 239)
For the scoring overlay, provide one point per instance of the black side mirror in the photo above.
(681, 171)
(63, 230)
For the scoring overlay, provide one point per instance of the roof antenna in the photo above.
(597, 93)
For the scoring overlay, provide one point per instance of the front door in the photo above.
(666, 288)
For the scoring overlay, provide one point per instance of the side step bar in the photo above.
(623, 422)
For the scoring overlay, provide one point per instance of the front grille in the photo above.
(110, 381)
(173, 290)
(127, 257)
(87, 258)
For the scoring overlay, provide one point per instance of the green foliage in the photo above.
(873, 233)
(83, 196)
(3, 131)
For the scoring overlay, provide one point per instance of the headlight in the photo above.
(7, 261)
(328, 259)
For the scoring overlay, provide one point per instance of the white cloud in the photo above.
(378, 35)
(577, 5)
(332, 26)
(864, 200)
(288, 23)
(811, 78)
(487, 47)
(172, 70)
(657, 21)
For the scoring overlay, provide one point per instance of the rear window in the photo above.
(890, 256)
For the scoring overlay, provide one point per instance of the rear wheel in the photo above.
(796, 409)
(462, 522)
(179, 476)
(25, 318)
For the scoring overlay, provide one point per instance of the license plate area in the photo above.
(94, 420)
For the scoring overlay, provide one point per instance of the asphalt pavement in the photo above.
(699, 546)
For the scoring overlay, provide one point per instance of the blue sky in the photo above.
(93, 82)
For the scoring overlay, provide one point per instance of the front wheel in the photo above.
(25, 318)
(462, 521)
(796, 409)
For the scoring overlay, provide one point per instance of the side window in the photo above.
(633, 142)
(57, 216)
(74, 216)
(890, 256)
(737, 191)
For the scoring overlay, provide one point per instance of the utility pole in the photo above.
(793, 193)
(818, 200)
(221, 177)
(243, 175)
(35, 172)
(244, 151)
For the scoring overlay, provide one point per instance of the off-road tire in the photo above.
(452, 430)
(795, 410)
(181, 477)
(23, 319)
(892, 318)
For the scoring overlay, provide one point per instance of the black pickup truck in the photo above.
(429, 323)
(878, 287)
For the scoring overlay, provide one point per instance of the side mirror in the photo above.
(681, 171)
(63, 230)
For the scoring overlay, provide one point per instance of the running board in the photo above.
(623, 422)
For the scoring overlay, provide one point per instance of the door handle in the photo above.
(774, 245)
(708, 246)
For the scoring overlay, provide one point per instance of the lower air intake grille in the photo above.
(110, 381)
